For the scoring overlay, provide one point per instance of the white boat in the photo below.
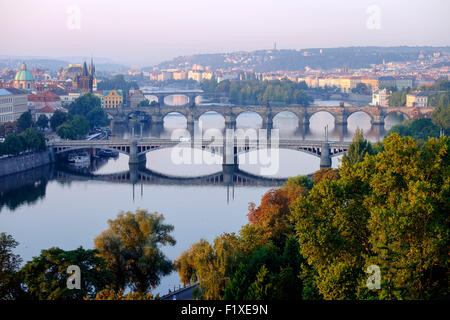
(82, 157)
(71, 157)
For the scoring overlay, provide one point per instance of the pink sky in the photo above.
(147, 31)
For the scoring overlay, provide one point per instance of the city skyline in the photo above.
(146, 33)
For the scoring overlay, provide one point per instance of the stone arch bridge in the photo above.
(192, 113)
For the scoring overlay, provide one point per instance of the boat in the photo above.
(107, 153)
(71, 157)
(82, 158)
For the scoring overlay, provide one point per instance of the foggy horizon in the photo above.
(145, 33)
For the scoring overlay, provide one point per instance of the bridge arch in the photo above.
(174, 122)
(288, 114)
(244, 121)
(121, 149)
(316, 113)
(399, 113)
(360, 111)
(217, 121)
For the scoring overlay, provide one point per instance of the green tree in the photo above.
(131, 248)
(361, 88)
(398, 98)
(89, 106)
(42, 122)
(419, 129)
(389, 210)
(45, 276)
(25, 121)
(58, 118)
(81, 124)
(67, 131)
(97, 117)
(33, 139)
(14, 144)
(9, 265)
(357, 149)
(441, 117)
(144, 103)
(84, 104)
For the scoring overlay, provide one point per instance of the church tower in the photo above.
(85, 81)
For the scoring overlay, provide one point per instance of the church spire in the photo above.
(91, 68)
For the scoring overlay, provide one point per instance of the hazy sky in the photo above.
(145, 32)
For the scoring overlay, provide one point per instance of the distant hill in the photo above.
(290, 60)
(101, 65)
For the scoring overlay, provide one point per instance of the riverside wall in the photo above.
(25, 161)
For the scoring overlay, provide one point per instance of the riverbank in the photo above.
(25, 161)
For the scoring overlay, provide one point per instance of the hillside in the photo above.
(287, 60)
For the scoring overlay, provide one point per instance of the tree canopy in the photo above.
(261, 92)
(419, 129)
(46, 276)
(25, 121)
(131, 248)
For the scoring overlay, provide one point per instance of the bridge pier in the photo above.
(161, 100)
(325, 158)
(135, 158)
(230, 158)
(340, 119)
(303, 119)
(303, 130)
(341, 131)
(191, 98)
(378, 120)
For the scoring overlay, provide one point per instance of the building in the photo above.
(207, 75)
(111, 98)
(68, 98)
(84, 82)
(6, 106)
(46, 111)
(70, 72)
(195, 75)
(24, 79)
(371, 83)
(386, 82)
(13, 102)
(134, 98)
(165, 76)
(380, 97)
(179, 75)
(345, 84)
(403, 83)
(44, 99)
(417, 99)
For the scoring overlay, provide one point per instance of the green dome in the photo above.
(24, 74)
